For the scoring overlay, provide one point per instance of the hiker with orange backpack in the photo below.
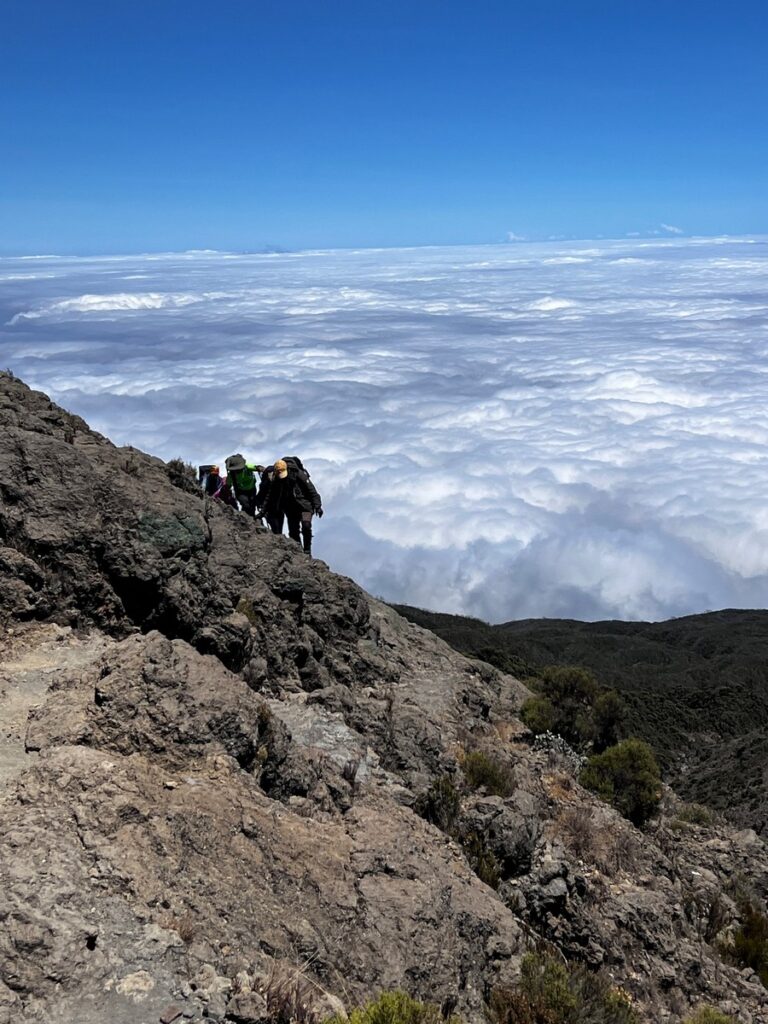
(215, 485)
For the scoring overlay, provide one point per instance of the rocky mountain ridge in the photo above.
(213, 759)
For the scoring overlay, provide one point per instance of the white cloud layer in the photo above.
(508, 431)
(110, 303)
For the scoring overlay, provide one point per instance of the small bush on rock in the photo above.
(131, 466)
(483, 770)
(695, 814)
(624, 852)
(291, 996)
(245, 607)
(580, 832)
(441, 804)
(626, 776)
(394, 1008)
(483, 861)
(551, 992)
(749, 946)
(708, 1015)
(182, 475)
(611, 851)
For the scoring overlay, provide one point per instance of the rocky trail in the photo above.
(32, 658)
(216, 757)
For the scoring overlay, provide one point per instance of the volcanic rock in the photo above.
(216, 754)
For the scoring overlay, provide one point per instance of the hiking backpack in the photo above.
(294, 463)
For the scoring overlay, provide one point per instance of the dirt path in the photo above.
(32, 657)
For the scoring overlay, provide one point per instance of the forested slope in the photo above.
(696, 688)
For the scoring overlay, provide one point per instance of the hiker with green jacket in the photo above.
(243, 479)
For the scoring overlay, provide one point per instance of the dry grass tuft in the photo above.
(292, 997)
(611, 850)
(185, 926)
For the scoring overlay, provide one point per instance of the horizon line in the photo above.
(313, 250)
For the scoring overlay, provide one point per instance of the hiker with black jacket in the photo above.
(267, 476)
(291, 495)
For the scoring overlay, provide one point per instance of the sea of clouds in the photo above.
(506, 431)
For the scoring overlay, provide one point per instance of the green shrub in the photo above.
(484, 770)
(483, 861)
(609, 714)
(749, 946)
(572, 692)
(394, 1008)
(626, 776)
(551, 992)
(707, 1015)
(543, 996)
(441, 804)
(571, 704)
(569, 683)
(538, 714)
(695, 814)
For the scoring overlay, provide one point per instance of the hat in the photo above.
(235, 463)
(281, 468)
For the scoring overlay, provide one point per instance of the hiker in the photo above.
(215, 485)
(291, 495)
(224, 493)
(209, 479)
(241, 477)
(267, 476)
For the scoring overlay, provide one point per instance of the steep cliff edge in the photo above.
(212, 759)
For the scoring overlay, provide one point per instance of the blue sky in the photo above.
(240, 124)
